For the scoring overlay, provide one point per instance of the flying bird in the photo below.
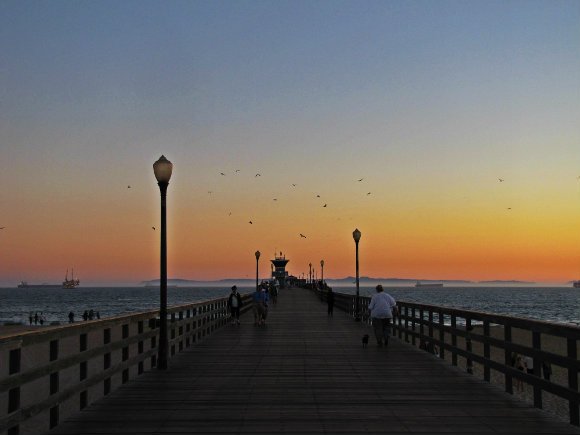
(302, 235)
(509, 208)
(500, 180)
(294, 185)
(237, 170)
(250, 222)
(221, 173)
(128, 187)
(318, 196)
(230, 213)
(257, 175)
(275, 199)
(1, 228)
(153, 227)
(368, 193)
(361, 179)
(324, 205)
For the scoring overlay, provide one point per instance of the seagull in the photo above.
(1, 228)
(237, 170)
(500, 180)
(128, 187)
(361, 179)
(294, 185)
(257, 175)
(509, 208)
(302, 235)
(318, 196)
(230, 213)
(324, 205)
(221, 173)
(368, 193)
(275, 199)
(153, 227)
(250, 222)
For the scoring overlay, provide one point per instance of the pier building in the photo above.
(279, 272)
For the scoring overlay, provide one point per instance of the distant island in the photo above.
(364, 281)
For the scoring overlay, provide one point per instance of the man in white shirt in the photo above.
(382, 309)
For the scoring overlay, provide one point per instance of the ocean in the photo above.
(554, 304)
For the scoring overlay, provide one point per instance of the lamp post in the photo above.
(162, 169)
(257, 259)
(356, 236)
(321, 279)
(310, 273)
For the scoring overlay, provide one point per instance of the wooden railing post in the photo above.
(469, 362)
(413, 341)
(441, 335)
(507, 338)
(537, 345)
(453, 340)
(573, 381)
(486, 352)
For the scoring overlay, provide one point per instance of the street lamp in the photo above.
(321, 279)
(310, 273)
(356, 236)
(257, 258)
(162, 169)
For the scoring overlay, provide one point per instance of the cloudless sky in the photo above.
(430, 102)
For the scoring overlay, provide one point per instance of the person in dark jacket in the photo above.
(234, 304)
(330, 302)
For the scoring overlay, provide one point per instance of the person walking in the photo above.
(71, 317)
(234, 304)
(258, 306)
(30, 318)
(383, 308)
(330, 302)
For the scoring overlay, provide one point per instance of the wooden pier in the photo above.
(309, 374)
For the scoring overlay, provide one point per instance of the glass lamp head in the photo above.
(162, 169)
(356, 235)
(257, 255)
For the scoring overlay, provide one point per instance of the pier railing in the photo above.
(52, 373)
(485, 341)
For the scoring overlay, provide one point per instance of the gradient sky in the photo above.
(429, 101)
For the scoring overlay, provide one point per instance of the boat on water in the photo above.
(66, 284)
(72, 282)
(576, 284)
(427, 284)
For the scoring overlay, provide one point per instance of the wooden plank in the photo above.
(306, 373)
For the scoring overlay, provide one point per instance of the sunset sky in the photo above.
(430, 102)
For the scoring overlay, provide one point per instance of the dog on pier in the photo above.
(365, 340)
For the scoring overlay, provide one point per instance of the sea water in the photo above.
(555, 304)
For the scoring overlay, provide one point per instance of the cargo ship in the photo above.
(423, 284)
(66, 284)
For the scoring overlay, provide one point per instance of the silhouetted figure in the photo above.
(71, 317)
(547, 370)
(30, 318)
(98, 315)
(234, 304)
(36, 318)
(86, 315)
(91, 314)
(330, 302)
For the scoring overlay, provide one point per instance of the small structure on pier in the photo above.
(279, 269)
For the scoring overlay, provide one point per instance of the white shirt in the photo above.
(381, 306)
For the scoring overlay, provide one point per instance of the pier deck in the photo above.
(305, 373)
